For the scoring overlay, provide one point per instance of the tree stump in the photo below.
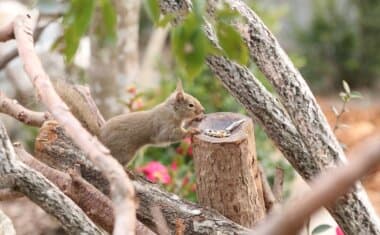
(226, 168)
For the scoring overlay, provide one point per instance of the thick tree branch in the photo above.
(60, 152)
(95, 204)
(41, 191)
(354, 209)
(14, 109)
(265, 109)
(122, 191)
(324, 191)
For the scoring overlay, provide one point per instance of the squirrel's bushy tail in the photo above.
(81, 105)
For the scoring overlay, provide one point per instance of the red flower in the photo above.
(339, 231)
(174, 166)
(187, 140)
(190, 151)
(156, 172)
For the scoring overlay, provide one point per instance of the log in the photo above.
(227, 174)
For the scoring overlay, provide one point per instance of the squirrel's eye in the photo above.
(191, 105)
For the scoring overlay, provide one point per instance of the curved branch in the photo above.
(122, 191)
(324, 191)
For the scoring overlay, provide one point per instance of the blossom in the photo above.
(156, 172)
(137, 104)
(339, 231)
(174, 166)
(132, 89)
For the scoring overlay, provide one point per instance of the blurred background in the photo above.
(131, 60)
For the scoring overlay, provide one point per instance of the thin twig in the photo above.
(14, 109)
(278, 184)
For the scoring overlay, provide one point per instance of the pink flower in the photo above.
(187, 140)
(137, 104)
(156, 172)
(339, 231)
(174, 166)
(132, 89)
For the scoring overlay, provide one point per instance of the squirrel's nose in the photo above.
(202, 110)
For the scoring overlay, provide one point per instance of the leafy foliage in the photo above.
(78, 19)
(341, 43)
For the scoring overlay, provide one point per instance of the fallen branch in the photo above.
(95, 204)
(324, 191)
(122, 192)
(36, 187)
(60, 152)
(14, 109)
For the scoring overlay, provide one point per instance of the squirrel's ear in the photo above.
(179, 86)
(179, 96)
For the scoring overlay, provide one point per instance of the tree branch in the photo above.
(95, 204)
(41, 191)
(265, 109)
(324, 191)
(353, 211)
(121, 190)
(61, 153)
(14, 109)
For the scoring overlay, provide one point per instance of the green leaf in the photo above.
(320, 229)
(232, 43)
(76, 23)
(152, 9)
(109, 22)
(226, 15)
(346, 87)
(165, 20)
(356, 95)
(189, 45)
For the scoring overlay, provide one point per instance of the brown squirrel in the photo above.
(125, 134)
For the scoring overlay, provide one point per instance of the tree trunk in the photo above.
(228, 178)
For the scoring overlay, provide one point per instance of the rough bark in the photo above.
(95, 204)
(354, 209)
(324, 191)
(178, 214)
(41, 191)
(226, 170)
(122, 192)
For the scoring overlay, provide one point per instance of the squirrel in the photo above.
(125, 134)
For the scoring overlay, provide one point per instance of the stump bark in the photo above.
(227, 174)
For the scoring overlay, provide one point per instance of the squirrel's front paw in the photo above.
(194, 131)
(199, 118)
